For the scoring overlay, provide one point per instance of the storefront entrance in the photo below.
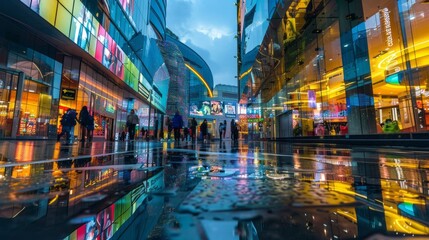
(8, 90)
(103, 127)
(25, 106)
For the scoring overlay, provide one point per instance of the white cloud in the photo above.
(208, 27)
(213, 33)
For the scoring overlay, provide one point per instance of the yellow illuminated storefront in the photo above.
(352, 68)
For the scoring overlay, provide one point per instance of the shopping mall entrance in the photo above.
(25, 105)
(8, 91)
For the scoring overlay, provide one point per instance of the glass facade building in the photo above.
(335, 67)
(192, 89)
(57, 54)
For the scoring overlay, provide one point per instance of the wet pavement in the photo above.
(218, 190)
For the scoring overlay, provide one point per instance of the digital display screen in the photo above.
(230, 109)
(200, 109)
(83, 28)
(76, 22)
(216, 108)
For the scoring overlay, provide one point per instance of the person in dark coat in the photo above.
(84, 121)
(68, 120)
(204, 130)
(177, 125)
(233, 126)
(193, 128)
(132, 121)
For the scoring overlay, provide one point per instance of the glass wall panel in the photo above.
(8, 85)
(398, 55)
(37, 106)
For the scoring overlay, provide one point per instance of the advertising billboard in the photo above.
(242, 109)
(230, 109)
(76, 22)
(200, 109)
(216, 108)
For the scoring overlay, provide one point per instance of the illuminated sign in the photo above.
(387, 28)
(230, 110)
(394, 79)
(110, 108)
(202, 109)
(216, 108)
(76, 22)
(68, 94)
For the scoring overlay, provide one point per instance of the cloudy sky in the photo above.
(208, 27)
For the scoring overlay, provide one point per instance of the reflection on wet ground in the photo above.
(263, 190)
(244, 190)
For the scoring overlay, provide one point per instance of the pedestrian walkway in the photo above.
(216, 190)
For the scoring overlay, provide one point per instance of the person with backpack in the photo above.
(68, 121)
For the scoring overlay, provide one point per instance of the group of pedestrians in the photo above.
(86, 121)
(234, 127)
(69, 119)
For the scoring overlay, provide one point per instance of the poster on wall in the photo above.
(242, 109)
(216, 108)
(230, 110)
(200, 109)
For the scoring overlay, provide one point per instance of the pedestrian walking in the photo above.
(68, 121)
(204, 130)
(132, 121)
(233, 126)
(177, 125)
(84, 122)
(186, 133)
(193, 128)
(236, 132)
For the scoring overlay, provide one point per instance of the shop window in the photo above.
(35, 111)
(8, 86)
(36, 106)
(398, 63)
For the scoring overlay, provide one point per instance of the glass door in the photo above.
(8, 87)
